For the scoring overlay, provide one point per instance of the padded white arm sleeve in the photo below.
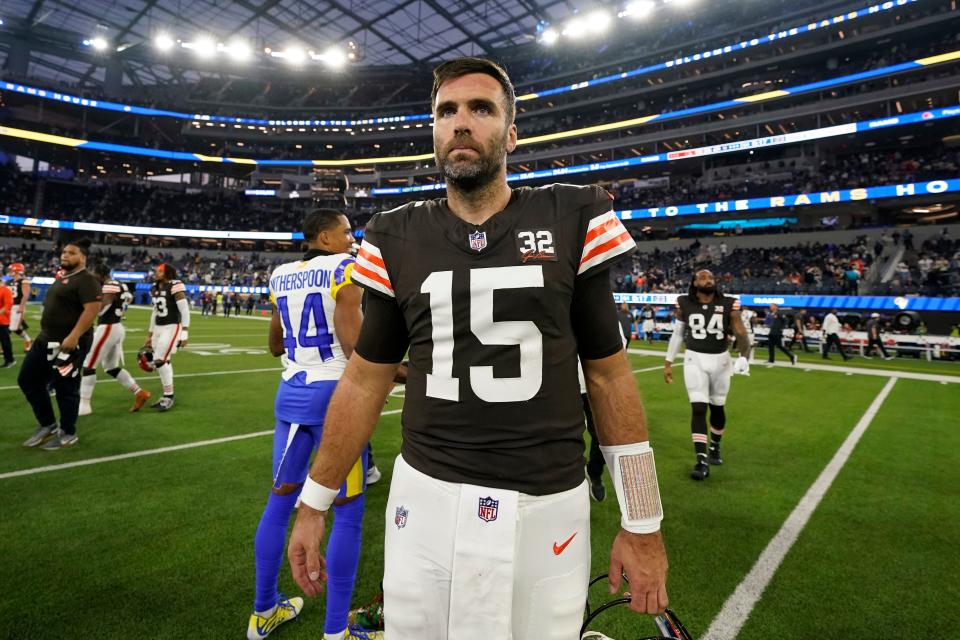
(635, 480)
(153, 320)
(676, 340)
(184, 307)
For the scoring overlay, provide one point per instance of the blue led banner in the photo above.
(863, 303)
(711, 150)
(934, 187)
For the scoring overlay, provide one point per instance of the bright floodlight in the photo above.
(163, 42)
(549, 36)
(295, 55)
(639, 9)
(239, 50)
(598, 21)
(575, 28)
(98, 43)
(334, 58)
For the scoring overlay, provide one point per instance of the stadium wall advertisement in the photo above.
(860, 303)
(906, 190)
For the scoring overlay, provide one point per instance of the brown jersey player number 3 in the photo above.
(495, 291)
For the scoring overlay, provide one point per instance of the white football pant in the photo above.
(165, 338)
(707, 376)
(464, 562)
(107, 349)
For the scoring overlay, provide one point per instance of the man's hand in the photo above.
(69, 343)
(741, 367)
(303, 550)
(668, 372)
(643, 559)
(183, 339)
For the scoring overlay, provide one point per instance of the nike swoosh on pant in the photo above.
(558, 548)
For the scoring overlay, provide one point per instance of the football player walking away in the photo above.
(705, 318)
(107, 348)
(495, 291)
(69, 309)
(169, 323)
(20, 286)
(315, 324)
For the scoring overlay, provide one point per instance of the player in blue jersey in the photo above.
(315, 325)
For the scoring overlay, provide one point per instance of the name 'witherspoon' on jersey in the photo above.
(488, 314)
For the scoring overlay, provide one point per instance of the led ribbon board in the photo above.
(734, 47)
(711, 150)
(870, 303)
(934, 187)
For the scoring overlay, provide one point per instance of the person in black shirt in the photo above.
(799, 325)
(873, 338)
(495, 291)
(69, 309)
(776, 321)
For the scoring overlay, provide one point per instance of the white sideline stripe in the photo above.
(147, 452)
(182, 375)
(740, 604)
(808, 366)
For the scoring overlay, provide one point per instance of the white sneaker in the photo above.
(373, 475)
(40, 435)
(85, 409)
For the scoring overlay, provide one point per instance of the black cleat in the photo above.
(597, 491)
(700, 470)
(164, 404)
(713, 455)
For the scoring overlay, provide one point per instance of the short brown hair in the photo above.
(459, 67)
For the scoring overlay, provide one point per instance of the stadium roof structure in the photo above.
(384, 32)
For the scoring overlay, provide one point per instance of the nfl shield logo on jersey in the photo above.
(488, 509)
(478, 240)
(401, 518)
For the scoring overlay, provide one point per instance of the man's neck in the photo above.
(476, 207)
(75, 270)
(705, 298)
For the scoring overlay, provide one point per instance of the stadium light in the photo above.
(549, 36)
(575, 28)
(97, 43)
(163, 42)
(598, 21)
(204, 47)
(295, 55)
(334, 58)
(238, 50)
(638, 9)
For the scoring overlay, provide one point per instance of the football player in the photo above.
(107, 349)
(705, 318)
(314, 327)
(169, 323)
(20, 286)
(495, 291)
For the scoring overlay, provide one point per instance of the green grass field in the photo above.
(161, 546)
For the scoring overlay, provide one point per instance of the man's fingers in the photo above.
(616, 571)
(298, 567)
(662, 600)
(314, 563)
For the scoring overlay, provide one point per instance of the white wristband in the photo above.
(634, 477)
(316, 496)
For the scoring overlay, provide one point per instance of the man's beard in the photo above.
(708, 290)
(473, 175)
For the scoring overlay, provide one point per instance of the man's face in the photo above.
(471, 138)
(705, 282)
(773, 308)
(71, 257)
(340, 237)
(158, 273)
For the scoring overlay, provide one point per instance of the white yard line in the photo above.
(740, 604)
(147, 452)
(806, 365)
(180, 375)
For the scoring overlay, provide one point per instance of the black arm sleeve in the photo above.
(383, 334)
(594, 317)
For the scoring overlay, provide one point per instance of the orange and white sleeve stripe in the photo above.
(371, 271)
(177, 287)
(111, 288)
(606, 238)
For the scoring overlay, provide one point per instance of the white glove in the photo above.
(741, 366)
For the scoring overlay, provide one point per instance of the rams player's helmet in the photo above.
(145, 359)
(668, 625)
